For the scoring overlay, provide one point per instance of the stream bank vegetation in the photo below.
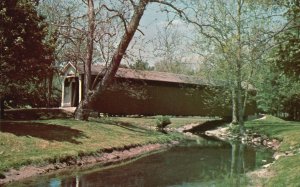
(284, 171)
(274, 133)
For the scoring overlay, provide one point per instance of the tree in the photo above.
(65, 32)
(279, 89)
(86, 37)
(278, 93)
(168, 50)
(288, 53)
(130, 21)
(141, 65)
(26, 57)
(238, 32)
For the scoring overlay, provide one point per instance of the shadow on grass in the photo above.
(122, 124)
(37, 113)
(43, 131)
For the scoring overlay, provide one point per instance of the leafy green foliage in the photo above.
(162, 121)
(288, 52)
(279, 89)
(26, 57)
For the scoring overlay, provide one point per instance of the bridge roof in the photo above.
(141, 75)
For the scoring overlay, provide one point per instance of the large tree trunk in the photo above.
(81, 112)
(1, 108)
(84, 114)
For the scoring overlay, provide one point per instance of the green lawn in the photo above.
(48, 141)
(150, 122)
(286, 169)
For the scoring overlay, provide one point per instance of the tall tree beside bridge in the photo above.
(129, 14)
(234, 36)
(25, 56)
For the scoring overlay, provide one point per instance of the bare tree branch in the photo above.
(118, 14)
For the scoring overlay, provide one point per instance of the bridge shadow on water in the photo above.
(43, 131)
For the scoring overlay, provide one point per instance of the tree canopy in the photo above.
(26, 57)
(279, 87)
(232, 41)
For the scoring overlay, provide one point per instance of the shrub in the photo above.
(2, 176)
(162, 122)
(235, 129)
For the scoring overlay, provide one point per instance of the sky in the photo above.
(152, 21)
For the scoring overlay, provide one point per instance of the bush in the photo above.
(235, 129)
(162, 122)
(2, 176)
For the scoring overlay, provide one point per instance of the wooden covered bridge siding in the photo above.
(131, 96)
(153, 98)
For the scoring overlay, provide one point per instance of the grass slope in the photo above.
(50, 141)
(38, 143)
(150, 122)
(286, 169)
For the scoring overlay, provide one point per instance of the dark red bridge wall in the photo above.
(160, 98)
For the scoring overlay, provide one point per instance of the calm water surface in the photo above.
(203, 162)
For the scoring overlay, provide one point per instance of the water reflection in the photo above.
(195, 163)
(54, 182)
(237, 163)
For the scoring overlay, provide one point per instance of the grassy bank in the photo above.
(50, 141)
(287, 169)
(150, 122)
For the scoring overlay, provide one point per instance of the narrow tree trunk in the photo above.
(49, 89)
(239, 72)
(240, 107)
(245, 100)
(44, 102)
(1, 108)
(234, 107)
(81, 111)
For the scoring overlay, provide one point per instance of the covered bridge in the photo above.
(148, 93)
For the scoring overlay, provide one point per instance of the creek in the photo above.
(201, 162)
